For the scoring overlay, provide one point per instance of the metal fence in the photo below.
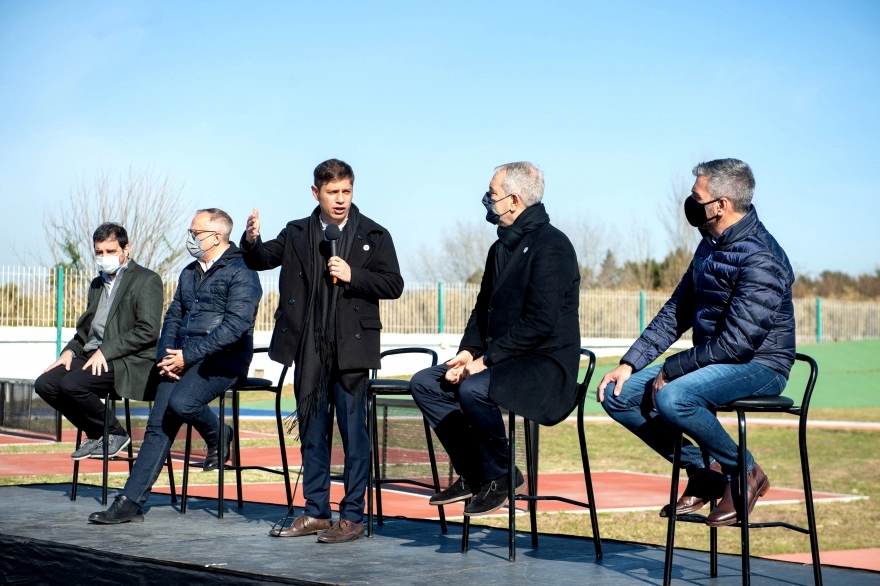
(29, 297)
(21, 408)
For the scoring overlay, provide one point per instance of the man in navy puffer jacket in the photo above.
(205, 346)
(736, 295)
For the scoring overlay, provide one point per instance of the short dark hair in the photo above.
(110, 231)
(219, 218)
(332, 170)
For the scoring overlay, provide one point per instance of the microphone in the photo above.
(332, 234)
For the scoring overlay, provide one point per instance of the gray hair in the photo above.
(524, 179)
(219, 220)
(731, 179)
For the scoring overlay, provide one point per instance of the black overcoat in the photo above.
(526, 323)
(375, 275)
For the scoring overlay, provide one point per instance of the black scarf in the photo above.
(316, 354)
(509, 236)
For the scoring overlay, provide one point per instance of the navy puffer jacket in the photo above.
(736, 295)
(211, 317)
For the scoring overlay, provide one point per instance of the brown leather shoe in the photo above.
(302, 525)
(342, 531)
(702, 487)
(726, 513)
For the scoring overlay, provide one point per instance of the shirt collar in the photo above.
(324, 224)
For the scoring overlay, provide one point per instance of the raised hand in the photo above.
(252, 232)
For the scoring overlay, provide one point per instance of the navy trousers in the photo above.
(315, 450)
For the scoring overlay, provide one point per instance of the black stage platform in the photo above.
(45, 539)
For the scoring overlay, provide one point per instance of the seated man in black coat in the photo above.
(521, 348)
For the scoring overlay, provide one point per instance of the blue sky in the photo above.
(612, 100)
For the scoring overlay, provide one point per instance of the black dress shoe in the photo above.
(211, 460)
(457, 491)
(493, 495)
(121, 511)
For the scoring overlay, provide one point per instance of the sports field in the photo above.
(849, 375)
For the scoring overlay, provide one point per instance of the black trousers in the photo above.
(437, 398)
(77, 394)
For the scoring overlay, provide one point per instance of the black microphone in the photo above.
(332, 234)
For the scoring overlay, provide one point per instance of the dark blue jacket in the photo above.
(736, 295)
(211, 317)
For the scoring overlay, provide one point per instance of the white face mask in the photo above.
(109, 265)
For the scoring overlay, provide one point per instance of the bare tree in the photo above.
(460, 257)
(589, 241)
(147, 204)
(683, 237)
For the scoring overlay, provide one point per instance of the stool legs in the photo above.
(236, 440)
(673, 498)
(434, 474)
(75, 482)
(744, 497)
(222, 476)
(808, 497)
(371, 431)
(281, 443)
(186, 454)
(588, 478)
(108, 405)
(511, 491)
(532, 476)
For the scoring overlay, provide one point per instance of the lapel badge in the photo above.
(525, 250)
(366, 247)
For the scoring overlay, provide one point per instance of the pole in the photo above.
(441, 309)
(59, 304)
(818, 320)
(641, 311)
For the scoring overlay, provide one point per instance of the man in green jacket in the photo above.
(114, 348)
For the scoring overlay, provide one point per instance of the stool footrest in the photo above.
(562, 499)
(402, 481)
(263, 468)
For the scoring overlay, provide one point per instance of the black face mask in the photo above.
(491, 215)
(695, 212)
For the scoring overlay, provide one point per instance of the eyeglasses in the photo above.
(195, 233)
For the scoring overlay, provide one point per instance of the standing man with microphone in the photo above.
(336, 265)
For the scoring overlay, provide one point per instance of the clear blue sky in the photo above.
(613, 100)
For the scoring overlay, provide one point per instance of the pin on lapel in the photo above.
(525, 250)
(366, 247)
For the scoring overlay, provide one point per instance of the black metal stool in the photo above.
(249, 384)
(377, 387)
(755, 405)
(110, 406)
(532, 473)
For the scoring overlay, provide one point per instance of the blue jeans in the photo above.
(176, 403)
(315, 450)
(688, 404)
(437, 398)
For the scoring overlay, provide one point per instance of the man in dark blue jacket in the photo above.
(736, 295)
(206, 345)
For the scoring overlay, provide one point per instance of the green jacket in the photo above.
(132, 328)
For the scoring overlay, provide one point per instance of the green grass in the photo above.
(849, 377)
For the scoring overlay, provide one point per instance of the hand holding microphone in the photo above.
(339, 269)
